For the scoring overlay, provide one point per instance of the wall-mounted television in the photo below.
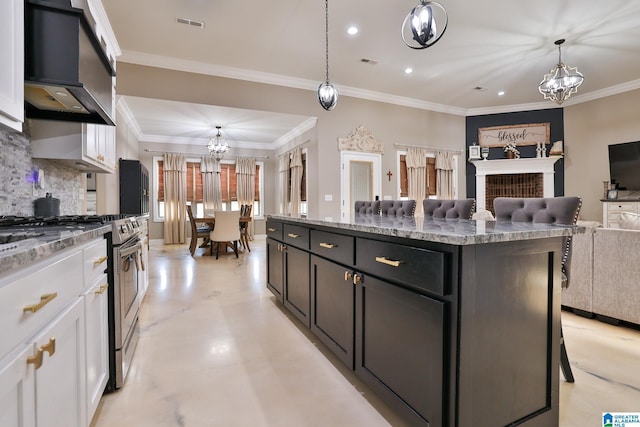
(624, 165)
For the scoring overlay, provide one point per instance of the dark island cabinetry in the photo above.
(455, 329)
(288, 267)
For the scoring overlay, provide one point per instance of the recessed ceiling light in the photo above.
(501, 93)
(352, 31)
(408, 70)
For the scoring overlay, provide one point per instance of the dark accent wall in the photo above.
(554, 117)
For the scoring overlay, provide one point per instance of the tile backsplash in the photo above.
(16, 188)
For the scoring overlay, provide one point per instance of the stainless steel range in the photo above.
(125, 296)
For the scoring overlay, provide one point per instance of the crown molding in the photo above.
(308, 124)
(159, 61)
(123, 108)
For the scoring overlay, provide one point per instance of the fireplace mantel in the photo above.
(543, 165)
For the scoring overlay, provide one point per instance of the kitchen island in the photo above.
(451, 322)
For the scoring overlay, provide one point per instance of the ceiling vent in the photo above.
(197, 24)
(369, 61)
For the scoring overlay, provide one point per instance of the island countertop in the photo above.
(449, 231)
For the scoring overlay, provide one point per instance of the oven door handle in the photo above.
(130, 250)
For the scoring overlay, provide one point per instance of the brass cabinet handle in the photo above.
(271, 230)
(390, 262)
(293, 235)
(36, 359)
(103, 288)
(100, 261)
(44, 300)
(357, 278)
(50, 347)
(328, 245)
(348, 276)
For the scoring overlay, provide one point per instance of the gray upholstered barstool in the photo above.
(397, 207)
(552, 210)
(367, 207)
(459, 208)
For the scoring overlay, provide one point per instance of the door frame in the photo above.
(346, 157)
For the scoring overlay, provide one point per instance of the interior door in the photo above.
(360, 179)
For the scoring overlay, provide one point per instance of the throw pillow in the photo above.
(629, 221)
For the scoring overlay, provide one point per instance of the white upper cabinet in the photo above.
(84, 146)
(12, 60)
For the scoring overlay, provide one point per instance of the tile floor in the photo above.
(215, 350)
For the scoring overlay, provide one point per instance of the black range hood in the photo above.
(67, 74)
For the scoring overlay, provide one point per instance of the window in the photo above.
(228, 184)
(195, 191)
(430, 177)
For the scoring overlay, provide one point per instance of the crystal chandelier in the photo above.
(218, 146)
(420, 26)
(562, 80)
(327, 93)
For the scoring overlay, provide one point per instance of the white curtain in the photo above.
(417, 176)
(296, 180)
(283, 169)
(444, 174)
(175, 198)
(246, 185)
(212, 193)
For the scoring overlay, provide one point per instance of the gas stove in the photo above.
(23, 232)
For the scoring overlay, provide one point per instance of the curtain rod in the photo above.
(198, 154)
(429, 148)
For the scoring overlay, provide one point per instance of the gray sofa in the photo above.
(605, 274)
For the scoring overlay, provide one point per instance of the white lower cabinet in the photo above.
(54, 339)
(97, 343)
(60, 380)
(17, 389)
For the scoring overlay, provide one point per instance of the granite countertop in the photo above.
(449, 231)
(49, 241)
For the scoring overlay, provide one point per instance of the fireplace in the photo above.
(530, 177)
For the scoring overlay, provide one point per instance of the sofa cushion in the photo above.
(629, 221)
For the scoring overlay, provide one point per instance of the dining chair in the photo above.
(196, 232)
(550, 210)
(225, 230)
(245, 211)
(458, 208)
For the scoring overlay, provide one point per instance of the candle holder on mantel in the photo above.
(485, 153)
(606, 189)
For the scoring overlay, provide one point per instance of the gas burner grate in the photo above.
(35, 221)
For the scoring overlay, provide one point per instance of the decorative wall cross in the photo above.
(389, 175)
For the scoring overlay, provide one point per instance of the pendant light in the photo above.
(218, 146)
(424, 25)
(327, 94)
(562, 80)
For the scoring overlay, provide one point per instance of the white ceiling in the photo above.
(498, 45)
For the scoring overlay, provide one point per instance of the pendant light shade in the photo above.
(424, 25)
(218, 146)
(327, 96)
(562, 80)
(327, 93)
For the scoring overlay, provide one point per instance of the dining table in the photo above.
(210, 220)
